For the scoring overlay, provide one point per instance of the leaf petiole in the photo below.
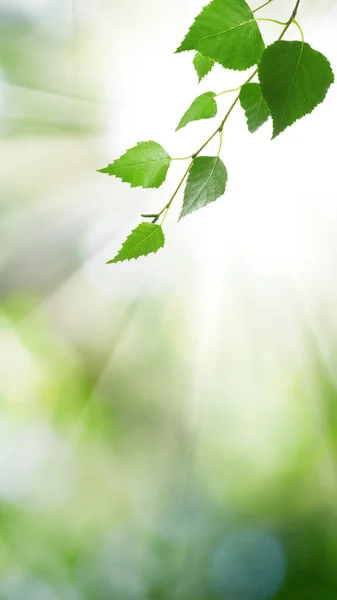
(273, 21)
(300, 29)
(262, 6)
(284, 23)
(184, 158)
(220, 142)
(228, 91)
(167, 206)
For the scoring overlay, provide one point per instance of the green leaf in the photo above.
(294, 80)
(203, 107)
(253, 103)
(227, 32)
(147, 238)
(202, 65)
(145, 165)
(206, 182)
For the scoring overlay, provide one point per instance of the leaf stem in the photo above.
(177, 190)
(167, 206)
(221, 126)
(285, 23)
(183, 158)
(300, 29)
(220, 143)
(295, 11)
(273, 21)
(291, 19)
(228, 91)
(206, 143)
(262, 6)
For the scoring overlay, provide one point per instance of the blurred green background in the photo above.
(168, 427)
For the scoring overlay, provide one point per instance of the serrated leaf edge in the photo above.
(246, 110)
(177, 51)
(149, 187)
(205, 74)
(182, 214)
(275, 135)
(179, 126)
(114, 261)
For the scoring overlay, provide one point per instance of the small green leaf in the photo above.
(147, 238)
(203, 107)
(294, 80)
(227, 32)
(206, 183)
(145, 165)
(202, 65)
(253, 103)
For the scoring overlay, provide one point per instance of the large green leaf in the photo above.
(145, 165)
(294, 80)
(202, 65)
(206, 182)
(203, 107)
(253, 103)
(227, 32)
(147, 238)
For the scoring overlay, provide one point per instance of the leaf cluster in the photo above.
(292, 80)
